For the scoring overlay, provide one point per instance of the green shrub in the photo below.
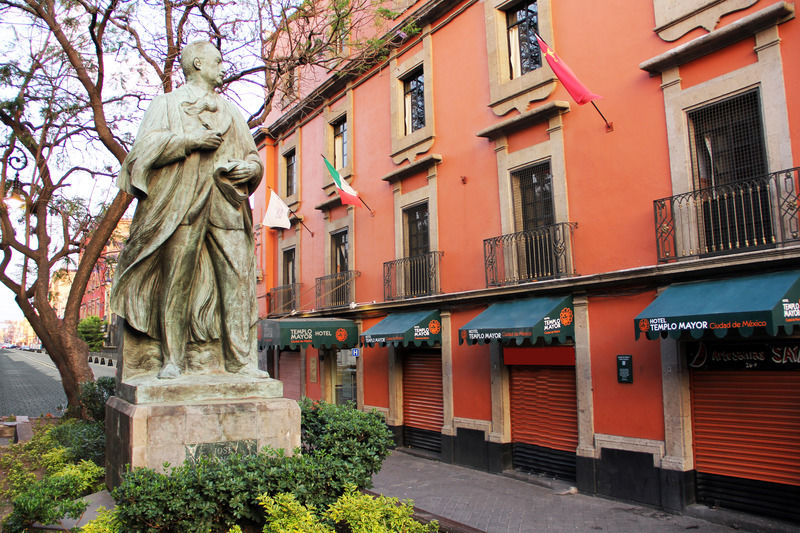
(366, 514)
(284, 513)
(22, 460)
(353, 512)
(358, 441)
(54, 497)
(105, 522)
(95, 394)
(342, 446)
(83, 440)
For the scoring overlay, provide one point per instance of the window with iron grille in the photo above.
(340, 143)
(727, 141)
(290, 178)
(728, 154)
(533, 197)
(414, 101)
(534, 216)
(522, 23)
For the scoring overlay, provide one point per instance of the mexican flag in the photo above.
(346, 192)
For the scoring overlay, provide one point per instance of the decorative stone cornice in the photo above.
(732, 33)
(534, 116)
(408, 170)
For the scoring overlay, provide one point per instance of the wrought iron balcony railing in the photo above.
(336, 290)
(541, 253)
(284, 299)
(411, 277)
(746, 215)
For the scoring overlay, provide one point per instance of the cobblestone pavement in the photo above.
(500, 504)
(30, 384)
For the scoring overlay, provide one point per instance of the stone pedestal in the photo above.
(156, 421)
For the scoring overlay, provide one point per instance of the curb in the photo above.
(737, 520)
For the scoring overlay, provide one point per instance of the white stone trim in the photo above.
(631, 444)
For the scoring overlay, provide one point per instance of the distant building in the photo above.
(60, 284)
(97, 297)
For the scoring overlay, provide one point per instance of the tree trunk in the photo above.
(68, 352)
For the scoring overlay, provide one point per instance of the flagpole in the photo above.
(300, 220)
(609, 125)
(371, 212)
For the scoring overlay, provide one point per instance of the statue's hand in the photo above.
(204, 140)
(243, 171)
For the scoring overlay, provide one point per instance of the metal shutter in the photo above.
(746, 432)
(289, 374)
(423, 410)
(544, 420)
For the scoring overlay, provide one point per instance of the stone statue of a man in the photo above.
(187, 273)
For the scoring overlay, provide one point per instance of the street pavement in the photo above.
(500, 504)
(31, 385)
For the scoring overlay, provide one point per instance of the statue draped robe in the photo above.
(183, 192)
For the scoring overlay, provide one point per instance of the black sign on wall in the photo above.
(624, 369)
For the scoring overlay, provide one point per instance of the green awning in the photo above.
(769, 301)
(544, 317)
(316, 332)
(417, 328)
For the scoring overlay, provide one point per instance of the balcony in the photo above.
(533, 255)
(742, 216)
(411, 277)
(284, 299)
(336, 290)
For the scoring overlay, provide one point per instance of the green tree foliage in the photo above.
(91, 330)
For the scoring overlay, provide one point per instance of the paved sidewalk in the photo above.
(500, 504)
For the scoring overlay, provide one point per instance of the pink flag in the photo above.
(578, 91)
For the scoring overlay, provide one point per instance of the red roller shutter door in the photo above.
(423, 410)
(289, 374)
(746, 435)
(544, 419)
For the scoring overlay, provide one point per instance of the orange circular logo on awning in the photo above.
(434, 327)
(644, 325)
(566, 316)
(341, 334)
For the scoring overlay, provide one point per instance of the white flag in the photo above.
(277, 215)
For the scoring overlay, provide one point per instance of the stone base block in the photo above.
(148, 435)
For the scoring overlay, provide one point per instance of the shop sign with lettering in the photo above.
(774, 355)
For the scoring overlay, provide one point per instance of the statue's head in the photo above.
(200, 60)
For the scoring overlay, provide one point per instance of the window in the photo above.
(517, 75)
(339, 252)
(522, 22)
(346, 383)
(290, 178)
(414, 101)
(341, 287)
(534, 217)
(340, 143)
(727, 142)
(727, 150)
(288, 267)
(418, 272)
(417, 225)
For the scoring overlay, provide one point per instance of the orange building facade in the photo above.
(532, 288)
